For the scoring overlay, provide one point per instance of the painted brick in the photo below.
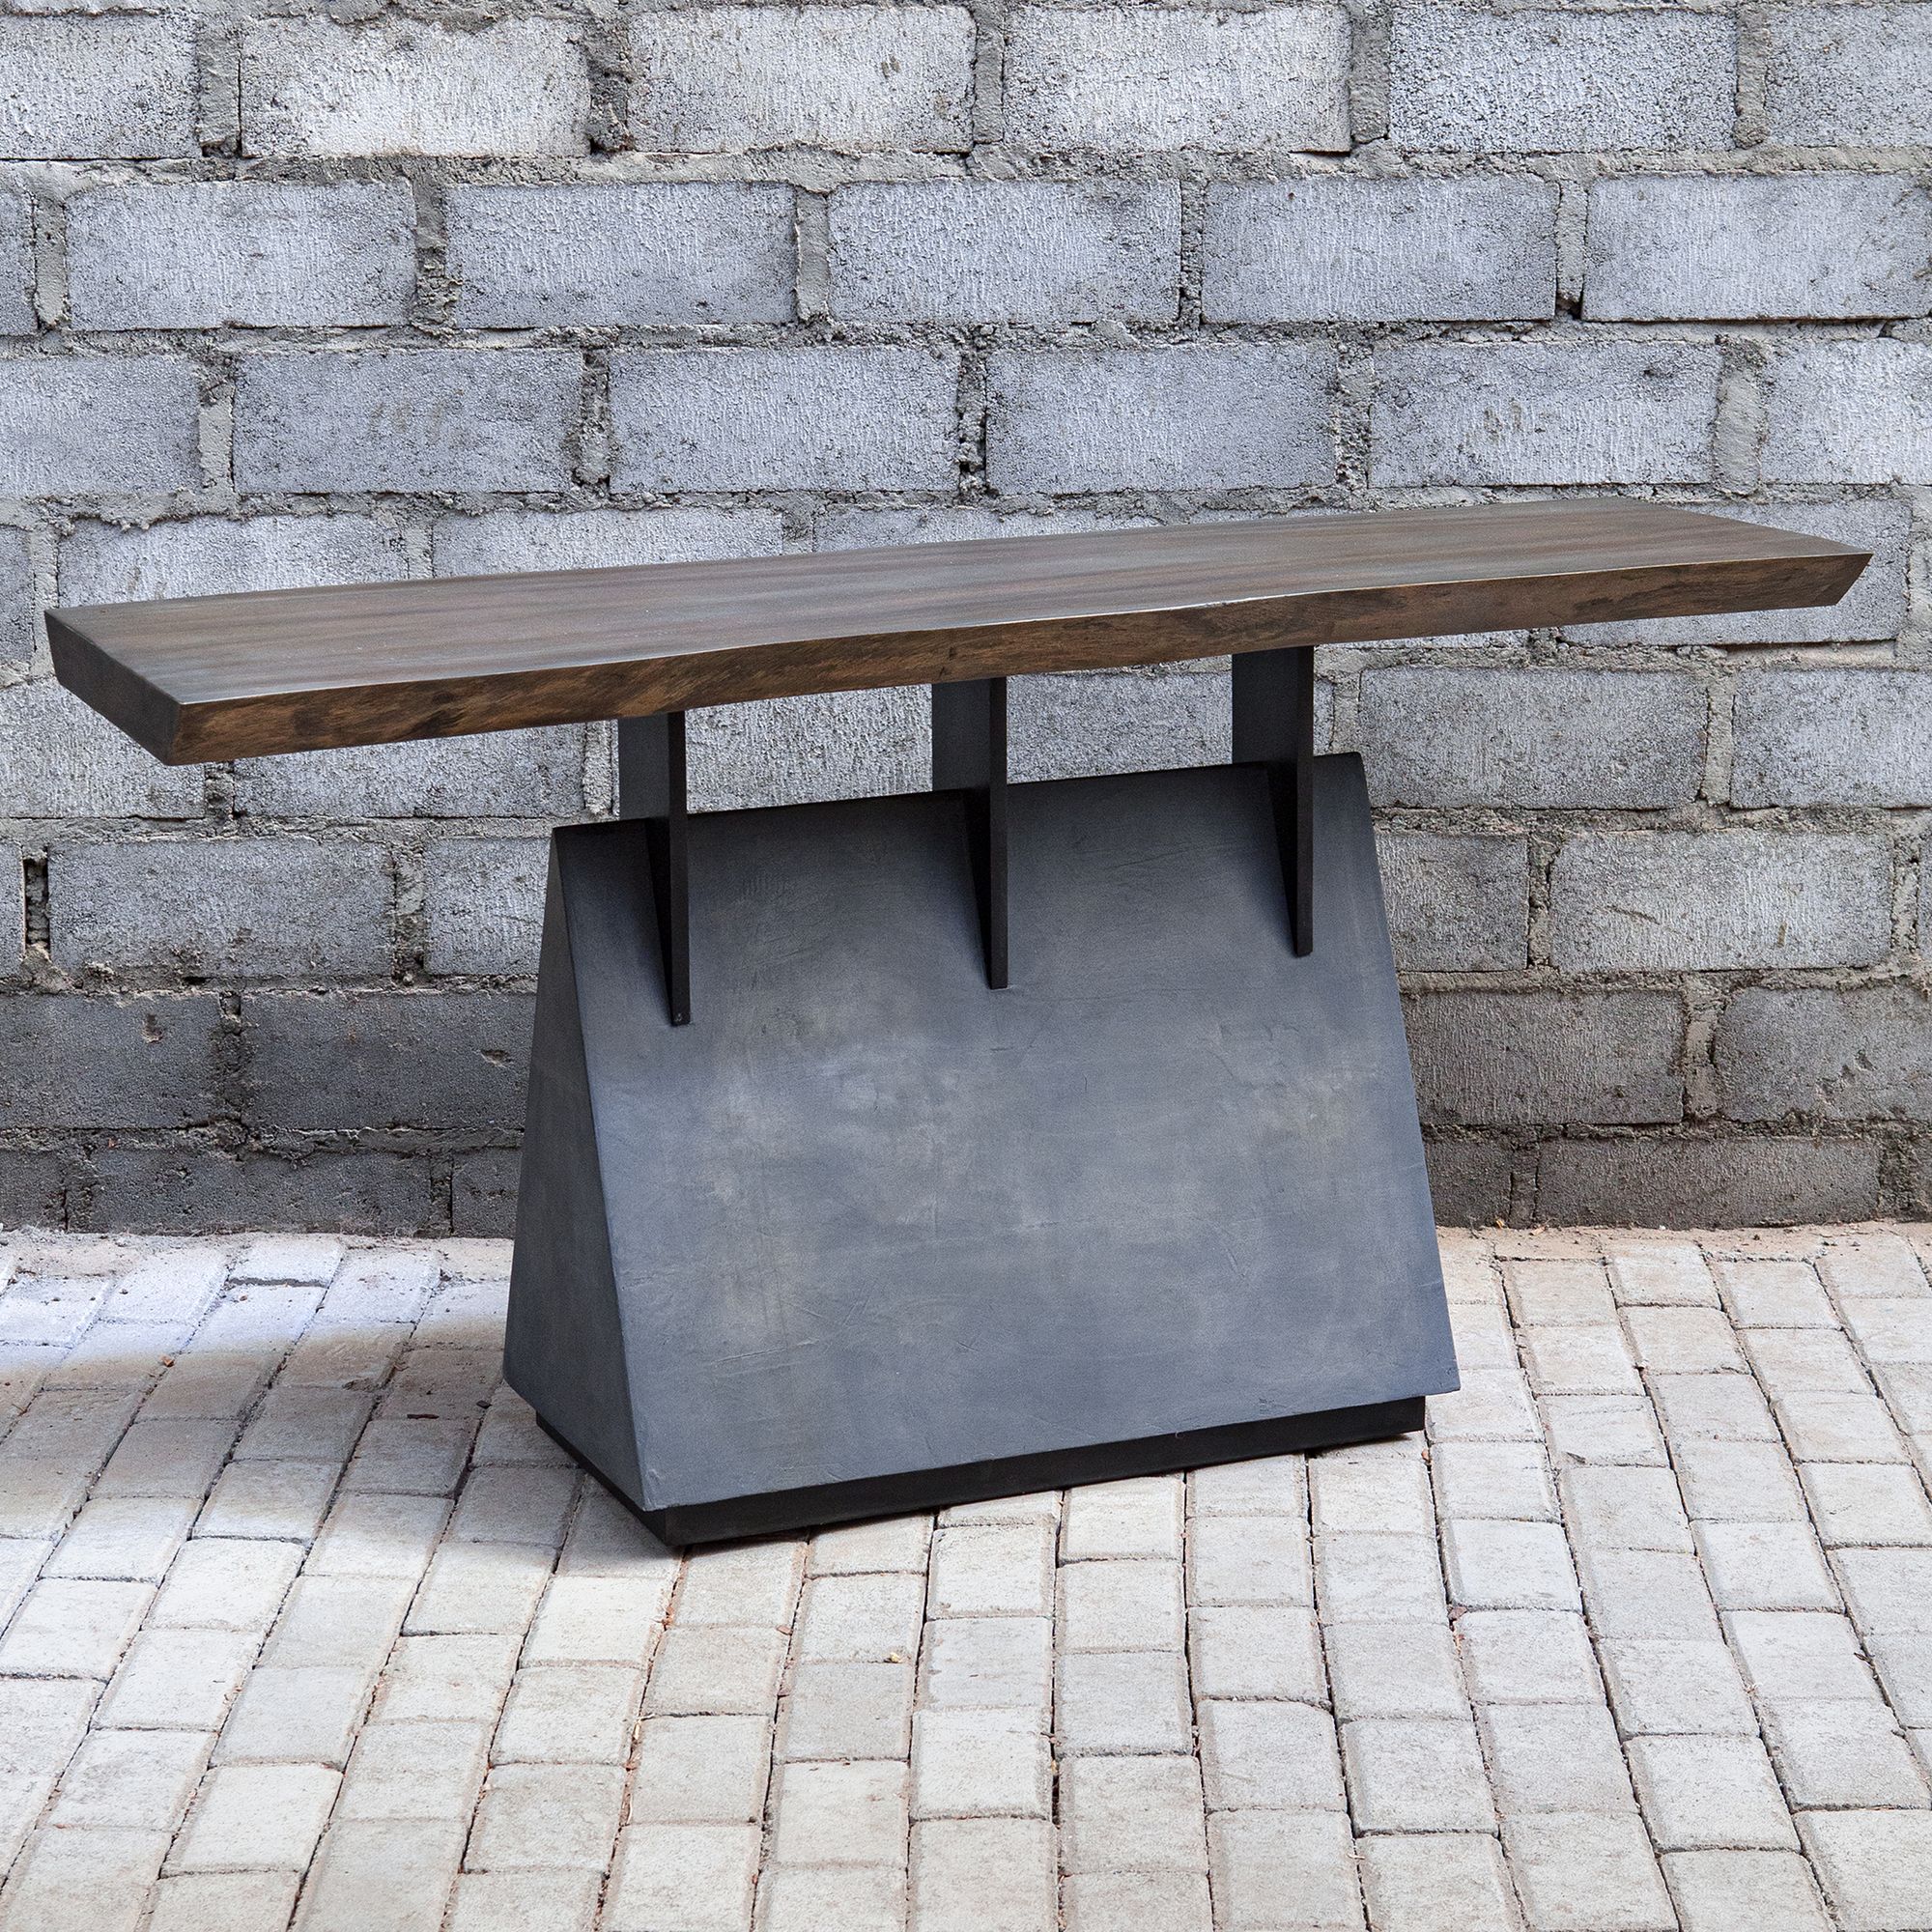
(115, 86)
(1672, 1183)
(1207, 417)
(1577, 411)
(1862, 1053)
(1122, 81)
(507, 774)
(1849, 412)
(501, 540)
(1599, 1059)
(1849, 76)
(1456, 904)
(1874, 608)
(1006, 251)
(209, 556)
(150, 1062)
(16, 266)
(200, 254)
(417, 1060)
(852, 79)
(1531, 737)
(405, 420)
(245, 908)
(408, 87)
(1660, 79)
(108, 425)
(1740, 247)
(782, 418)
(1695, 901)
(662, 253)
(483, 905)
(65, 758)
(1832, 737)
(1328, 250)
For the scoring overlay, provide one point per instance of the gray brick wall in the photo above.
(307, 294)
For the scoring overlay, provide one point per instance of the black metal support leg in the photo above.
(969, 755)
(1275, 726)
(652, 786)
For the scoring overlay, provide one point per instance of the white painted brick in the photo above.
(1328, 250)
(1205, 416)
(114, 86)
(1120, 80)
(656, 253)
(408, 87)
(1578, 411)
(1044, 252)
(201, 254)
(1690, 902)
(108, 425)
(781, 418)
(1740, 246)
(1576, 80)
(851, 79)
(1873, 607)
(1848, 412)
(1849, 76)
(405, 419)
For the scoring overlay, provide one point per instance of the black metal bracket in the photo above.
(652, 786)
(969, 755)
(1275, 726)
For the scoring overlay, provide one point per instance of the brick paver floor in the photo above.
(302, 1615)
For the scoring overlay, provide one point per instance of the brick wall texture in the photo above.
(293, 294)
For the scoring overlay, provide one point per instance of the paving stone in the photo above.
(1660, 1274)
(517, 1504)
(862, 1618)
(1646, 1593)
(1789, 1361)
(1268, 1486)
(1868, 1504)
(512, 1901)
(1683, 1341)
(1129, 1604)
(378, 1536)
(1509, 1566)
(1587, 1871)
(1670, 1687)
(450, 1677)
(1507, 1480)
(122, 1540)
(569, 1713)
(1248, 1560)
(598, 1620)
(1119, 1814)
(985, 1663)
(752, 1586)
(898, 1543)
(217, 1585)
(1035, 1506)
(305, 1425)
(1774, 1295)
(840, 1814)
(696, 1877)
(1798, 1653)
(1625, 1508)
(1769, 1891)
(83, 1880)
(1394, 1670)
(1492, 1405)
(386, 1875)
(1528, 1656)
(1417, 1775)
(1136, 1902)
(421, 1771)
(1257, 1651)
(1349, 1490)
(701, 1770)
(980, 1764)
(1904, 1666)
(130, 1780)
(398, 1456)
(701, 1672)
(1435, 1884)
(259, 1817)
(74, 1628)
(1557, 1294)
(166, 1459)
(1618, 1429)
(223, 1902)
(1837, 1426)
(278, 1257)
(806, 1898)
(847, 1710)
(282, 1501)
(1841, 1754)
(1123, 1701)
(992, 1570)
(983, 1875)
(340, 1622)
(1765, 1566)
(549, 1814)
(307, 1713)
(1363, 1576)
(1710, 1794)
(1714, 1408)
(481, 1586)
(1554, 1757)
(1739, 1482)
(175, 1679)
(1261, 1858)
(1876, 1866)
(1141, 1516)
(1269, 1758)
(1888, 1591)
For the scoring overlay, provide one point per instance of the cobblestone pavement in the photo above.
(304, 1616)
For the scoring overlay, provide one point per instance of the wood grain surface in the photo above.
(200, 678)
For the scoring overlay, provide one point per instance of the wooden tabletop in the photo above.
(198, 678)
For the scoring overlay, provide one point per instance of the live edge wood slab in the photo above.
(205, 679)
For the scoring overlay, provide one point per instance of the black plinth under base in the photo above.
(867, 1236)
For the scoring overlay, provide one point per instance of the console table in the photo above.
(907, 1151)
